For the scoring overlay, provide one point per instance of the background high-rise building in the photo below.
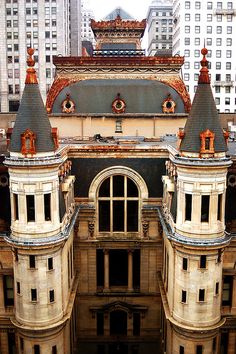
(214, 21)
(48, 26)
(160, 27)
(86, 16)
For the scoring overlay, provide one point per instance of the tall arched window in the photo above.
(118, 205)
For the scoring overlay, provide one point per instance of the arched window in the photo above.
(118, 205)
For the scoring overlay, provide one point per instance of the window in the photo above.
(100, 324)
(50, 263)
(187, 41)
(209, 5)
(32, 262)
(219, 18)
(228, 53)
(217, 100)
(184, 296)
(197, 5)
(118, 204)
(197, 29)
(136, 324)
(187, 53)
(36, 349)
(188, 207)
(201, 295)
(30, 207)
(229, 5)
(54, 349)
(229, 29)
(228, 65)
(227, 100)
(217, 288)
(209, 18)
(187, 29)
(51, 296)
(33, 294)
(15, 206)
(197, 53)
(209, 29)
(18, 287)
(219, 208)
(186, 77)
(187, 5)
(181, 349)
(218, 67)
(187, 17)
(218, 41)
(203, 262)
(199, 349)
(185, 264)
(229, 42)
(208, 41)
(227, 291)
(218, 29)
(8, 290)
(205, 206)
(196, 65)
(187, 65)
(217, 89)
(47, 206)
(219, 5)
(197, 41)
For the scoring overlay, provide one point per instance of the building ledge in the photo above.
(191, 241)
(223, 83)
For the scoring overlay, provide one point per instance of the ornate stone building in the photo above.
(116, 241)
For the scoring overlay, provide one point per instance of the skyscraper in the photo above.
(160, 27)
(46, 26)
(214, 21)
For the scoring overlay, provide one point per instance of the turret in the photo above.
(41, 238)
(195, 207)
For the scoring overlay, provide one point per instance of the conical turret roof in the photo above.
(203, 115)
(32, 115)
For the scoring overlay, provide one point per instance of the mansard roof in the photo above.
(203, 115)
(32, 115)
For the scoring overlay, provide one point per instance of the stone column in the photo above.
(106, 270)
(4, 343)
(130, 270)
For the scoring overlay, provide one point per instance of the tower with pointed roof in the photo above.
(41, 235)
(194, 228)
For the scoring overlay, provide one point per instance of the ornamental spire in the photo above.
(204, 72)
(31, 77)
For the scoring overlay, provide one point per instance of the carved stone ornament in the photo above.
(68, 106)
(168, 105)
(207, 142)
(118, 105)
(91, 228)
(28, 142)
(145, 225)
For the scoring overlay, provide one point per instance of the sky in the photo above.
(136, 8)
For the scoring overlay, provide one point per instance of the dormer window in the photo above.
(28, 142)
(207, 142)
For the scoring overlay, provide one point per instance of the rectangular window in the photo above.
(136, 324)
(203, 262)
(217, 288)
(188, 207)
(36, 349)
(47, 206)
(199, 349)
(15, 202)
(184, 296)
(181, 349)
(8, 290)
(50, 263)
(185, 264)
(227, 291)
(18, 287)
(100, 324)
(201, 295)
(205, 208)
(54, 349)
(219, 208)
(33, 294)
(51, 296)
(30, 204)
(32, 261)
